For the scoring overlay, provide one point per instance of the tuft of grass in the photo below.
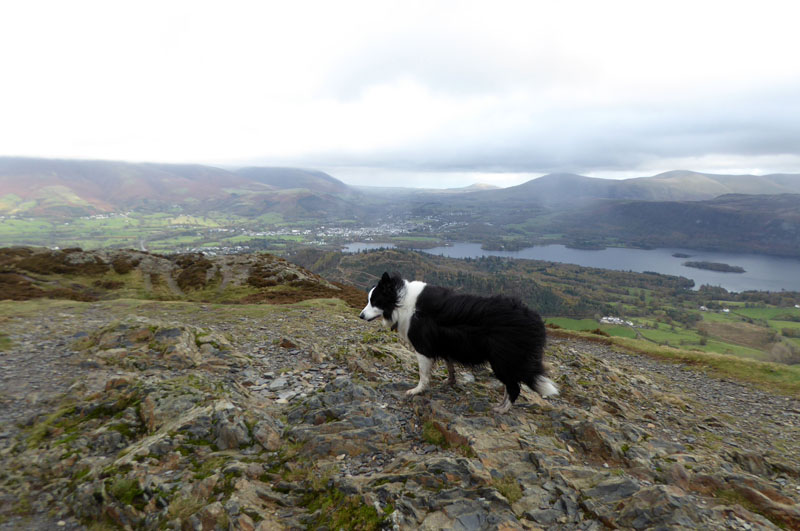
(431, 434)
(209, 467)
(41, 430)
(184, 506)
(508, 487)
(127, 491)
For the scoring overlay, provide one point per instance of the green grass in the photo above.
(767, 313)
(5, 342)
(333, 509)
(591, 324)
(665, 334)
(508, 487)
(771, 376)
(163, 232)
(720, 347)
(619, 331)
(715, 317)
(690, 339)
(573, 324)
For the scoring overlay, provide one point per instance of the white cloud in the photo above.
(492, 87)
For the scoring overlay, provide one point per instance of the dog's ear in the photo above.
(385, 277)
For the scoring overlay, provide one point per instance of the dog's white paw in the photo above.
(502, 408)
(415, 391)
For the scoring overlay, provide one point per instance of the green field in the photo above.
(591, 324)
(158, 232)
(664, 334)
(573, 324)
(767, 313)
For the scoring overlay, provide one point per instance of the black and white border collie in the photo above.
(465, 329)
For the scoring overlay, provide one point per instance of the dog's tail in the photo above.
(545, 386)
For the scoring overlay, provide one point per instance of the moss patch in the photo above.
(435, 433)
(336, 510)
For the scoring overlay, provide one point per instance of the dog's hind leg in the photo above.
(505, 405)
(451, 373)
(510, 394)
(425, 365)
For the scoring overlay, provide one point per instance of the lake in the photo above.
(763, 273)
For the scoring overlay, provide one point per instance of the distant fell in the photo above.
(286, 178)
(60, 187)
(565, 189)
(79, 187)
(767, 224)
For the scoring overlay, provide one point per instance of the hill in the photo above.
(768, 224)
(565, 189)
(79, 187)
(145, 414)
(71, 188)
(287, 178)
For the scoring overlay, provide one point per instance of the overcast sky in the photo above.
(430, 93)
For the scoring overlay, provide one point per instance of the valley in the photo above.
(307, 216)
(174, 208)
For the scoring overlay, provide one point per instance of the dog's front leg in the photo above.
(451, 373)
(425, 365)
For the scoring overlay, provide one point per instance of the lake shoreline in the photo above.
(762, 272)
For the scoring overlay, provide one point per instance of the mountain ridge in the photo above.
(81, 187)
(85, 184)
(557, 208)
(563, 189)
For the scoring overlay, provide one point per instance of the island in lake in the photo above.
(681, 255)
(715, 266)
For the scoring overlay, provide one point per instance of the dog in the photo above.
(466, 329)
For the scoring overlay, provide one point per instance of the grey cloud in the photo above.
(757, 123)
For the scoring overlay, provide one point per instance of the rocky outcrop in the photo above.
(31, 273)
(183, 416)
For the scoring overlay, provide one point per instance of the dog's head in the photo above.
(383, 298)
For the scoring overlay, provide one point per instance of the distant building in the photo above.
(725, 310)
(615, 321)
(703, 309)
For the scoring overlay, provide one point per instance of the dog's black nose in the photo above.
(361, 315)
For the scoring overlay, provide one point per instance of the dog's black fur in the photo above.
(471, 330)
(466, 329)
